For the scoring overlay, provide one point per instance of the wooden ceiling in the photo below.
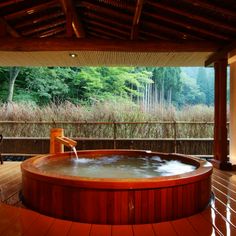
(160, 27)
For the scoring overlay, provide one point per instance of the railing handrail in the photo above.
(103, 122)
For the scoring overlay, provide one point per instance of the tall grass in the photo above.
(115, 111)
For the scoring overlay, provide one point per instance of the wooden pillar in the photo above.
(232, 144)
(220, 160)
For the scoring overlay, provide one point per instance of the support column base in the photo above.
(222, 165)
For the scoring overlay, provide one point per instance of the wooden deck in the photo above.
(218, 219)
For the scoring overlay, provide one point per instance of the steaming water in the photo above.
(117, 166)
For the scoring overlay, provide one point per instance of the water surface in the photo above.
(116, 166)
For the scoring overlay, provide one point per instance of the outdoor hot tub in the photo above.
(116, 186)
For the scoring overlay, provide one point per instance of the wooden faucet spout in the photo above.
(58, 141)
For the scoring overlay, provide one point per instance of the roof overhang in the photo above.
(56, 52)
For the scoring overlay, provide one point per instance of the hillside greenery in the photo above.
(144, 86)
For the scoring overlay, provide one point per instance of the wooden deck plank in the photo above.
(40, 227)
(122, 230)
(8, 218)
(79, 229)
(225, 199)
(21, 223)
(143, 230)
(98, 230)
(164, 228)
(224, 181)
(59, 228)
(225, 212)
(219, 223)
(229, 175)
(202, 226)
(219, 219)
(183, 227)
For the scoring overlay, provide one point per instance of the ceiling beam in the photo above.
(165, 31)
(49, 26)
(153, 35)
(9, 2)
(64, 44)
(100, 18)
(36, 20)
(9, 29)
(31, 10)
(106, 11)
(212, 7)
(222, 53)
(106, 33)
(187, 26)
(73, 22)
(136, 20)
(197, 17)
(124, 5)
(97, 35)
(52, 32)
(107, 27)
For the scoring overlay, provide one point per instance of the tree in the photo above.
(190, 92)
(166, 86)
(13, 73)
(205, 82)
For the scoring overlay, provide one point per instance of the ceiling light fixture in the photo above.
(73, 55)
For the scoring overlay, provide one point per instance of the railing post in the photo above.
(175, 134)
(1, 159)
(114, 135)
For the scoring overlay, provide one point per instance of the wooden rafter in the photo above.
(36, 20)
(97, 35)
(211, 7)
(106, 33)
(62, 44)
(52, 32)
(72, 19)
(187, 26)
(9, 29)
(197, 17)
(9, 2)
(104, 19)
(154, 35)
(106, 11)
(31, 10)
(44, 27)
(107, 27)
(169, 32)
(136, 19)
(124, 5)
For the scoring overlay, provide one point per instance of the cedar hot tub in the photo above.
(116, 186)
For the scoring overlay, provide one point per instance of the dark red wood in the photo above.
(141, 230)
(184, 228)
(220, 129)
(202, 226)
(62, 44)
(122, 230)
(79, 229)
(116, 201)
(164, 228)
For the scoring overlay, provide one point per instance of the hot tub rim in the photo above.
(203, 171)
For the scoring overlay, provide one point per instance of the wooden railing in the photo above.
(168, 136)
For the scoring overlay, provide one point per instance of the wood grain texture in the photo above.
(116, 201)
(18, 221)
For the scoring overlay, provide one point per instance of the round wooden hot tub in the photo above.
(116, 200)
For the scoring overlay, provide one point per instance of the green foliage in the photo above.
(205, 82)
(89, 85)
